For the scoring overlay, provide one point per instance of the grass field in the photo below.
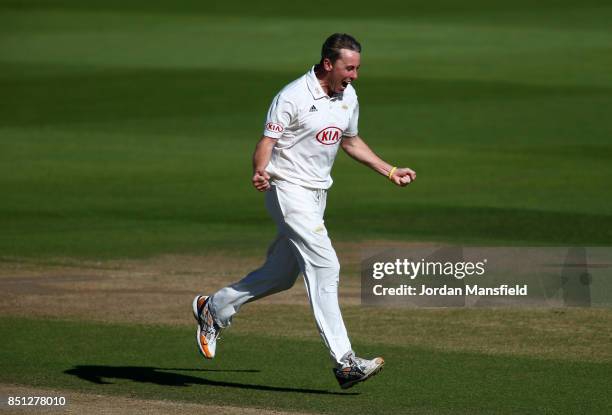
(126, 131)
(104, 358)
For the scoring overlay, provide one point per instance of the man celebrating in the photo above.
(306, 123)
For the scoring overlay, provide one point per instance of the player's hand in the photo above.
(261, 180)
(403, 176)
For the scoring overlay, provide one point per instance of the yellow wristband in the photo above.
(391, 172)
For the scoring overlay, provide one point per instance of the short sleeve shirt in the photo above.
(309, 126)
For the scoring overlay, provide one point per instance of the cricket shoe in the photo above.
(355, 369)
(208, 331)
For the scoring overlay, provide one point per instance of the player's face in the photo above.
(344, 70)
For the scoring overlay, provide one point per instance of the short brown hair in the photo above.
(333, 44)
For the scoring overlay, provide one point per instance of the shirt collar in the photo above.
(314, 86)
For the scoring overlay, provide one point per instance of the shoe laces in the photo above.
(214, 331)
(357, 362)
(351, 360)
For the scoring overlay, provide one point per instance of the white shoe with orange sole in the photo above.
(208, 331)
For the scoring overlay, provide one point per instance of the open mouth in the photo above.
(345, 84)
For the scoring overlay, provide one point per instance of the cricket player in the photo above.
(307, 122)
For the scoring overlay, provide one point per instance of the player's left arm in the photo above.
(360, 151)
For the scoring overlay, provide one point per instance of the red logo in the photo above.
(329, 135)
(274, 127)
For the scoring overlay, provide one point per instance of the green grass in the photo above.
(282, 373)
(126, 128)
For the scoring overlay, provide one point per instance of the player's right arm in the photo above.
(261, 158)
(280, 114)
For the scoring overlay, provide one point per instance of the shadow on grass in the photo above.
(159, 376)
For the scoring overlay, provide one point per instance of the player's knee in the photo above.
(286, 284)
(329, 276)
(329, 287)
(334, 267)
(286, 279)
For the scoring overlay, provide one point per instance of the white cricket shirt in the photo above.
(308, 126)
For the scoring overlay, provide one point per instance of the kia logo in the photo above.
(275, 128)
(329, 135)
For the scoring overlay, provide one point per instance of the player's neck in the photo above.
(322, 78)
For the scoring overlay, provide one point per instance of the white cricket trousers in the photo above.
(302, 245)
